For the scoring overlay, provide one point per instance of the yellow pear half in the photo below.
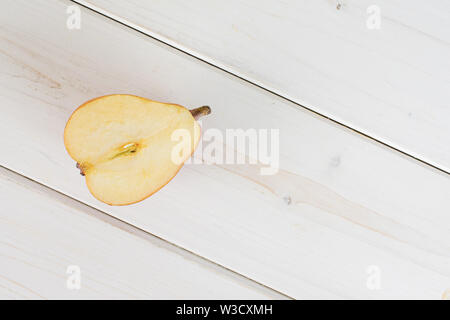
(129, 147)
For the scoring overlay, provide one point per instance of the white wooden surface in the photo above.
(340, 204)
(392, 84)
(42, 233)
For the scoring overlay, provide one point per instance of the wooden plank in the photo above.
(392, 84)
(339, 205)
(43, 235)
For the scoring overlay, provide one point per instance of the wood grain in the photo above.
(340, 203)
(42, 233)
(391, 83)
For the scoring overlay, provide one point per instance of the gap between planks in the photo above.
(145, 235)
(204, 59)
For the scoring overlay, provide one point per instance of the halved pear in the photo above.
(129, 147)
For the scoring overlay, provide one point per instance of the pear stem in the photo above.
(200, 112)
